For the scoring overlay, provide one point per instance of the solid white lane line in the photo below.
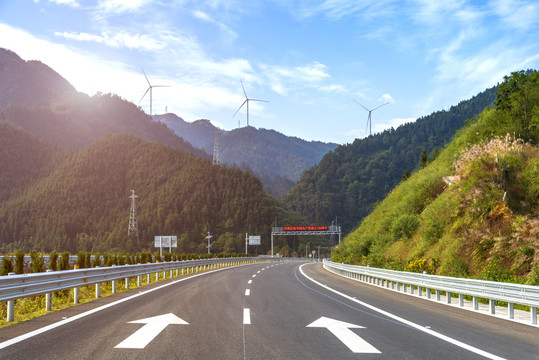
(246, 317)
(103, 307)
(409, 323)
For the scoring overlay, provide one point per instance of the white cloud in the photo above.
(123, 39)
(228, 34)
(72, 3)
(121, 6)
(386, 98)
(517, 14)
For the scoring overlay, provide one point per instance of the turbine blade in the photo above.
(243, 89)
(243, 103)
(360, 105)
(161, 86)
(380, 106)
(258, 100)
(146, 77)
(148, 89)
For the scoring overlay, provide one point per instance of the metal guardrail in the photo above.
(18, 286)
(491, 290)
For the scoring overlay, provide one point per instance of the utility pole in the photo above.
(132, 230)
(209, 237)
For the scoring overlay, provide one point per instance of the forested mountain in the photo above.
(84, 203)
(348, 181)
(277, 159)
(474, 210)
(24, 159)
(29, 83)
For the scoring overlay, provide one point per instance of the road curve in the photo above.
(266, 311)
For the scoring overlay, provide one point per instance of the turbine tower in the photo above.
(369, 118)
(132, 230)
(150, 87)
(246, 101)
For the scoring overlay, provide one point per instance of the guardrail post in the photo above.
(475, 303)
(157, 276)
(182, 271)
(11, 307)
(411, 289)
(419, 291)
(437, 295)
(98, 290)
(404, 287)
(491, 306)
(127, 283)
(139, 280)
(164, 274)
(113, 287)
(398, 286)
(149, 278)
(427, 290)
(448, 297)
(10, 310)
(75, 295)
(533, 315)
(510, 310)
(461, 300)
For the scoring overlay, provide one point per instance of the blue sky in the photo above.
(309, 59)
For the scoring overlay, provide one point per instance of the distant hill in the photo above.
(29, 83)
(82, 203)
(474, 210)
(39, 100)
(278, 159)
(347, 182)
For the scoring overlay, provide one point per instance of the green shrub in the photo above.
(7, 265)
(53, 260)
(405, 226)
(38, 262)
(19, 262)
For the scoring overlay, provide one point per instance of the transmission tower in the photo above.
(132, 231)
(216, 148)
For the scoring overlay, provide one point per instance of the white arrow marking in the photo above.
(148, 332)
(342, 331)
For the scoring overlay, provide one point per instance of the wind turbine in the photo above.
(150, 87)
(246, 102)
(369, 118)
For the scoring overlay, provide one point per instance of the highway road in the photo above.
(266, 311)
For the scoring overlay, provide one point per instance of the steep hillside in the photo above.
(270, 155)
(350, 180)
(29, 83)
(24, 159)
(473, 211)
(84, 204)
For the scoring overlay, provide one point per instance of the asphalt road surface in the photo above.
(266, 311)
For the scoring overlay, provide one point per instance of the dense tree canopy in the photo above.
(349, 181)
(83, 204)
